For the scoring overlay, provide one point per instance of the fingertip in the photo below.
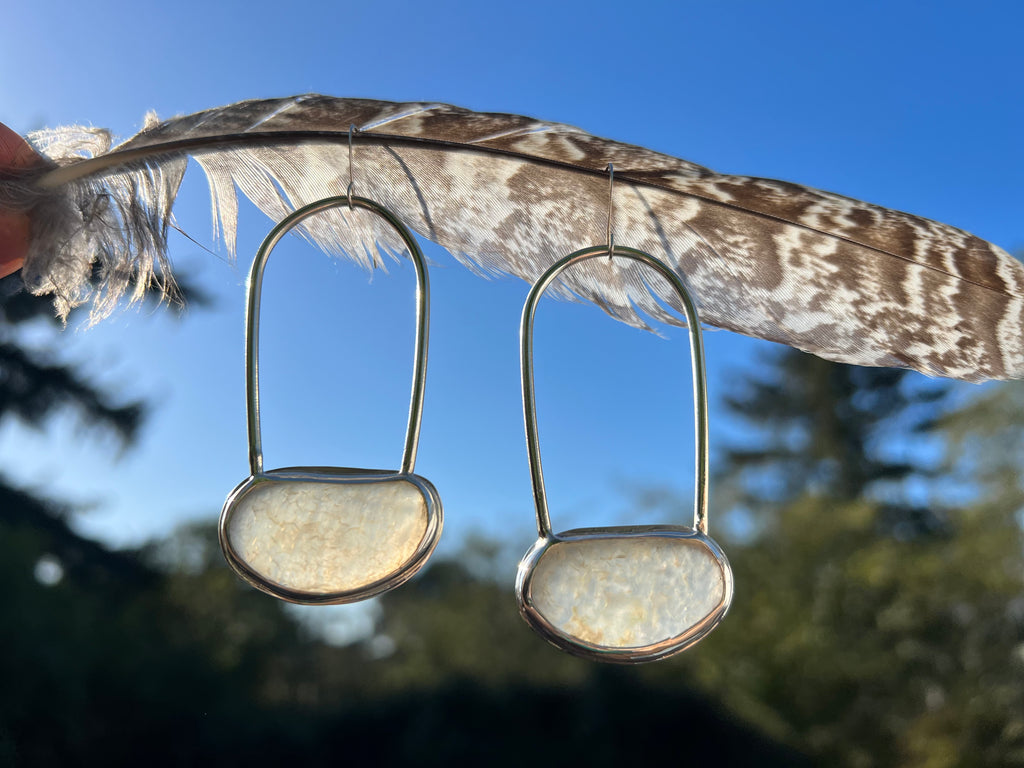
(15, 152)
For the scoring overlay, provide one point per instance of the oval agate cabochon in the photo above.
(330, 539)
(639, 592)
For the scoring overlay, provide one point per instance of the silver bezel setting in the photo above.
(621, 655)
(341, 476)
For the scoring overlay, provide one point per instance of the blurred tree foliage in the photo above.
(162, 656)
(839, 431)
(866, 630)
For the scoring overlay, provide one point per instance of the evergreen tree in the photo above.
(986, 448)
(34, 387)
(840, 431)
(860, 635)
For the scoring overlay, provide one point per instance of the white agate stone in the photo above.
(328, 537)
(627, 592)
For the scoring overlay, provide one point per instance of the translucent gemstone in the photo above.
(323, 538)
(628, 592)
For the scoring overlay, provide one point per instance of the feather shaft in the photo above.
(119, 159)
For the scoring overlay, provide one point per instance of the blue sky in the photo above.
(913, 106)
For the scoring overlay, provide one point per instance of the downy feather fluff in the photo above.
(843, 279)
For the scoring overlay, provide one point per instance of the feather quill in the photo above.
(843, 279)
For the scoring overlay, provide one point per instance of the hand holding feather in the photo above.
(837, 277)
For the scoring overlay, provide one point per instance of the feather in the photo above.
(846, 280)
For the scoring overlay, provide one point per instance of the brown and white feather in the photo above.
(843, 279)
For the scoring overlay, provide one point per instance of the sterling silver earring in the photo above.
(320, 535)
(622, 594)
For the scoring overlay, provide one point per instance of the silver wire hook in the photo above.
(351, 129)
(700, 397)
(610, 236)
(252, 324)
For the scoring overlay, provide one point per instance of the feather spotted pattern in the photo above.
(843, 279)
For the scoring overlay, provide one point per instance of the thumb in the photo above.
(15, 154)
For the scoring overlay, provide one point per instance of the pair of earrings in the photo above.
(326, 535)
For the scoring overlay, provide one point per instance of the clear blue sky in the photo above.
(916, 106)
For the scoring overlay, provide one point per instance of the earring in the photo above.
(622, 594)
(321, 535)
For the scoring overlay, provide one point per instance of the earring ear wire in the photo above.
(610, 235)
(351, 178)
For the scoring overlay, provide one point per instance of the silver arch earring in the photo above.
(320, 535)
(622, 594)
